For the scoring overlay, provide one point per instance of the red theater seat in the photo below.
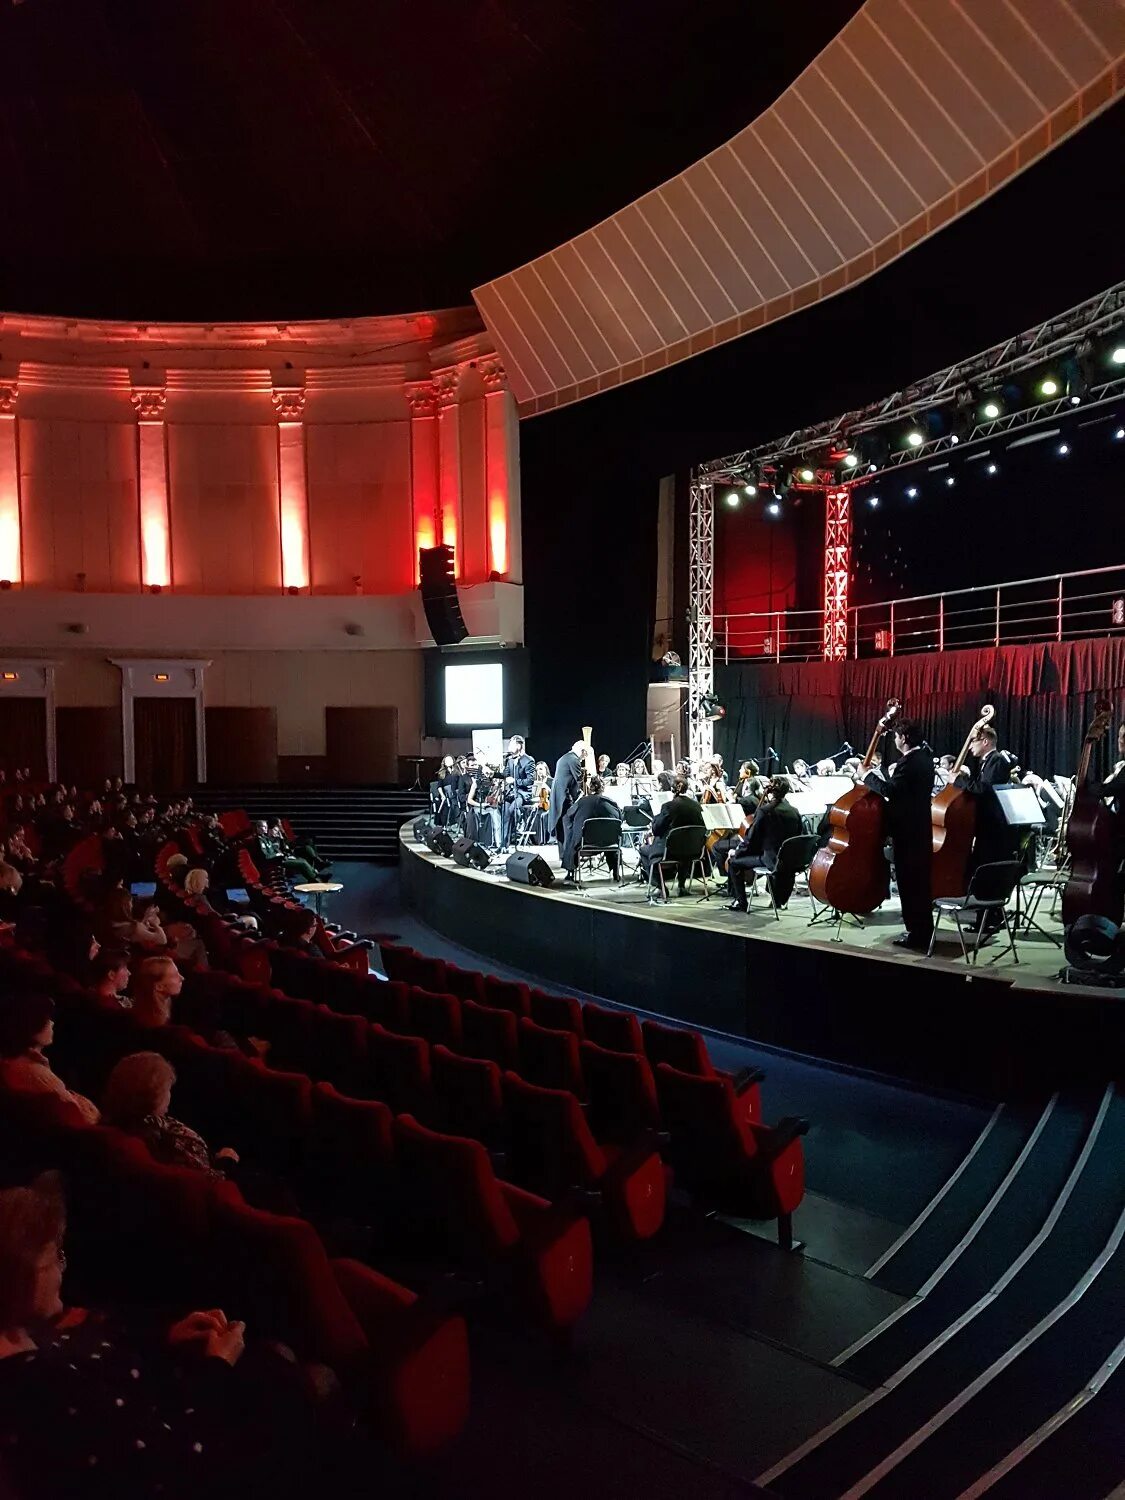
(490, 1033)
(435, 1017)
(552, 1151)
(339, 1050)
(622, 1093)
(468, 1095)
(349, 1155)
(493, 1224)
(686, 1050)
(558, 1012)
(400, 1070)
(466, 984)
(617, 1029)
(741, 1168)
(506, 994)
(428, 974)
(398, 962)
(550, 1058)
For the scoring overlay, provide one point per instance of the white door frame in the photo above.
(34, 679)
(166, 677)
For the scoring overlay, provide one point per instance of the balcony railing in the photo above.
(1057, 607)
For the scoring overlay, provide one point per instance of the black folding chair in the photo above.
(600, 836)
(990, 889)
(684, 849)
(793, 858)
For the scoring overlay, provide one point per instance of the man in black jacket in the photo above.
(776, 820)
(565, 788)
(682, 812)
(593, 805)
(519, 775)
(995, 840)
(910, 826)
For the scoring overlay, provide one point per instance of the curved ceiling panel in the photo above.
(917, 110)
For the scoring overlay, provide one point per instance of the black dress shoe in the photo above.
(737, 906)
(906, 941)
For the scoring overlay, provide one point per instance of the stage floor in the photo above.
(1040, 955)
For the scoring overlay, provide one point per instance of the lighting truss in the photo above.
(701, 624)
(1056, 338)
(837, 569)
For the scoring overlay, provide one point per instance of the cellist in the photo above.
(907, 793)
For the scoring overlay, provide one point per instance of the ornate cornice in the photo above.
(492, 372)
(445, 386)
(421, 398)
(289, 405)
(8, 396)
(149, 405)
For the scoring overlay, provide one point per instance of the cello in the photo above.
(1092, 839)
(851, 873)
(954, 820)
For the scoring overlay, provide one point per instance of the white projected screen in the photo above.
(474, 694)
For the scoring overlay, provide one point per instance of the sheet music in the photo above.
(659, 800)
(722, 815)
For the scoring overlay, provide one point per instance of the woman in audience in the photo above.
(90, 1409)
(18, 852)
(156, 983)
(197, 883)
(137, 1098)
(11, 883)
(110, 979)
(299, 930)
(27, 1029)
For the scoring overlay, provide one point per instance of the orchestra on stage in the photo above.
(964, 828)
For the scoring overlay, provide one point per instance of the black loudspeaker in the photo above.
(439, 595)
(422, 827)
(527, 867)
(439, 842)
(468, 854)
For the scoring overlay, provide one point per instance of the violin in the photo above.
(851, 874)
(954, 820)
(1092, 836)
(543, 793)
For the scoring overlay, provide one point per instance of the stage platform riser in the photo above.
(934, 1025)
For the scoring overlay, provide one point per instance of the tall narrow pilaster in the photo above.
(152, 487)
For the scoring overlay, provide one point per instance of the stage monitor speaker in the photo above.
(468, 854)
(439, 842)
(528, 867)
(422, 827)
(439, 595)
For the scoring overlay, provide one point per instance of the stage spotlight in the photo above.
(773, 508)
(873, 501)
(806, 476)
(733, 497)
(1120, 433)
(850, 460)
(991, 410)
(710, 708)
(950, 481)
(954, 440)
(1117, 355)
(872, 468)
(1063, 449)
(915, 439)
(750, 490)
(912, 493)
(1049, 387)
(1076, 400)
(992, 469)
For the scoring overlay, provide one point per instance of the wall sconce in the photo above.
(160, 677)
(11, 676)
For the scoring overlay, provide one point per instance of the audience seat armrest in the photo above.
(774, 1139)
(746, 1078)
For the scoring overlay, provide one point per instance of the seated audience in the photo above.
(156, 983)
(299, 930)
(109, 978)
(137, 1097)
(306, 851)
(27, 1029)
(11, 883)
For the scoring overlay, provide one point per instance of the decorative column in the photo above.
(449, 461)
(11, 556)
(152, 487)
(292, 488)
(502, 471)
(837, 569)
(423, 466)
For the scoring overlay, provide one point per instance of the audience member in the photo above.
(27, 1029)
(137, 1098)
(110, 978)
(156, 983)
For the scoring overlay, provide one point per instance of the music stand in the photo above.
(1021, 809)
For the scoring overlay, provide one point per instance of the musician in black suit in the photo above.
(593, 805)
(1113, 786)
(566, 787)
(995, 840)
(775, 821)
(682, 812)
(519, 775)
(909, 793)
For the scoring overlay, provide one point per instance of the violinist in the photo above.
(775, 821)
(908, 792)
(540, 802)
(483, 807)
(442, 793)
(747, 783)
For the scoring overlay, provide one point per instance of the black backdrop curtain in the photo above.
(23, 735)
(164, 743)
(1043, 695)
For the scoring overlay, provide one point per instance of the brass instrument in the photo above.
(589, 760)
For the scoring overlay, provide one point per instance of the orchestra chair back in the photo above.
(684, 849)
(793, 859)
(599, 835)
(990, 889)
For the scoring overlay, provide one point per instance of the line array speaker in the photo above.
(439, 595)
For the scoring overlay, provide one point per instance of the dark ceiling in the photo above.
(219, 159)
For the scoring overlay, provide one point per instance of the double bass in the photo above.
(851, 873)
(954, 821)
(1092, 839)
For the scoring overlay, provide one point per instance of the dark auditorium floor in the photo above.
(704, 1357)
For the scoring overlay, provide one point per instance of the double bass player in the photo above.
(907, 793)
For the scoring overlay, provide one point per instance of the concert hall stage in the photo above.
(997, 1030)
